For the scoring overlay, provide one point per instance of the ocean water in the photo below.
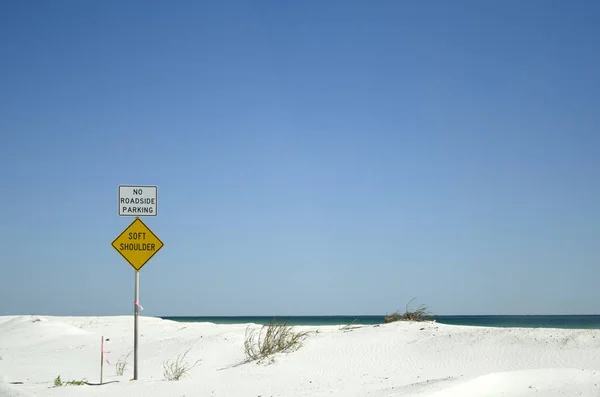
(546, 321)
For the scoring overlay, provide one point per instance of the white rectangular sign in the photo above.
(137, 200)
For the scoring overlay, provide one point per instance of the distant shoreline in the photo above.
(567, 321)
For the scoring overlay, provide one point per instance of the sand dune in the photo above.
(399, 359)
(537, 382)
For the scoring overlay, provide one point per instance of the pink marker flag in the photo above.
(137, 303)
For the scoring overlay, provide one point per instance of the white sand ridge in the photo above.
(399, 359)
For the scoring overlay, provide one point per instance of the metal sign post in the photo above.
(137, 244)
(135, 324)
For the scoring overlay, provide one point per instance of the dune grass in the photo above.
(122, 365)
(273, 338)
(421, 313)
(349, 327)
(176, 369)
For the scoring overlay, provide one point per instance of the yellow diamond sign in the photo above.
(137, 244)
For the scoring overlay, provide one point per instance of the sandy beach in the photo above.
(397, 359)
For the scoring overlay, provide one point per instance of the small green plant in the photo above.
(419, 314)
(58, 382)
(121, 365)
(271, 339)
(76, 383)
(176, 369)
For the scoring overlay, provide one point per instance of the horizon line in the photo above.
(376, 315)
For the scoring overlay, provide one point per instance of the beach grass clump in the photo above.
(178, 368)
(349, 327)
(121, 365)
(421, 313)
(272, 338)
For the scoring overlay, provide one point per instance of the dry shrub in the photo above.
(419, 314)
(271, 339)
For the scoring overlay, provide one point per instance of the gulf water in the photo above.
(536, 321)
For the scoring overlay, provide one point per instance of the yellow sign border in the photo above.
(137, 218)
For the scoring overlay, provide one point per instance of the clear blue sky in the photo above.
(314, 157)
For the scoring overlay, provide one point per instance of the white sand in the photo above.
(401, 359)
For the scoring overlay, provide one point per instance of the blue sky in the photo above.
(335, 157)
